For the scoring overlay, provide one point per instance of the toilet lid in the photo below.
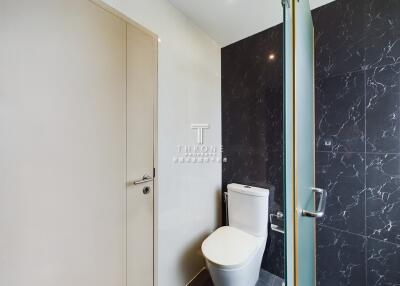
(229, 247)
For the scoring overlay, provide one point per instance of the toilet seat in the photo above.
(229, 247)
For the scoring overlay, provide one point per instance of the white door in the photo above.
(141, 91)
(62, 146)
(75, 121)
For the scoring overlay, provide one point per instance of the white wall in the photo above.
(189, 92)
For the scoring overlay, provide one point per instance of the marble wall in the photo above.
(357, 136)
(252, 86)
(358, 141)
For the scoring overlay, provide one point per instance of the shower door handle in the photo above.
(320, 212)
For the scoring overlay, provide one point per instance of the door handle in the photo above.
(144, 179)
(320, 212)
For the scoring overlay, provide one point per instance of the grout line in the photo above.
(388, 242)
(341, 230)
(382, 153)
(360, 152)
(357, 234)
(323, 76)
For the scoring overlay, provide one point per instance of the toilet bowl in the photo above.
(233, 253)
(233, 257)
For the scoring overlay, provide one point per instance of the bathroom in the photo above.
(78, 208)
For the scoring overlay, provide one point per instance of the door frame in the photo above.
(130, 21)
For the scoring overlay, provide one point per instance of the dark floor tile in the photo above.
(202, 279)
(265, 279)
(383, 264)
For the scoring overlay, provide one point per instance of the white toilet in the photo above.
(233, 253)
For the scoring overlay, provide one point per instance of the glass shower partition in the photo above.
(300, 191)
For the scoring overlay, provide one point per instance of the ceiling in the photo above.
(228, 21)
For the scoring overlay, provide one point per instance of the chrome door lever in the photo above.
(320, 212)
(144, 179)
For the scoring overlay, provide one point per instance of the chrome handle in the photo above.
(144, 179)
(280, 216)
(321, 206)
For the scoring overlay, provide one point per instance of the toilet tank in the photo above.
(248, 209)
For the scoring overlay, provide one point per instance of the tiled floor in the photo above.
(266, 279)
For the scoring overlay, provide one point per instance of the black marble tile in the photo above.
(383, 109)
(244, 122)
(252, 119)
(254, 167)
(334, 165)
(340, 116)
(343, 176)
(244, 166)
(383, 196)
(252, 122)
(383, 263)
(339, 37)
(357, 46)
(274, 258)
(382, 32)
(340, 258)
(252, 91)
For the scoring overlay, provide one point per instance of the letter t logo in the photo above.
(200, 128)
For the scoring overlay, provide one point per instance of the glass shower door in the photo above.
(301, 196)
